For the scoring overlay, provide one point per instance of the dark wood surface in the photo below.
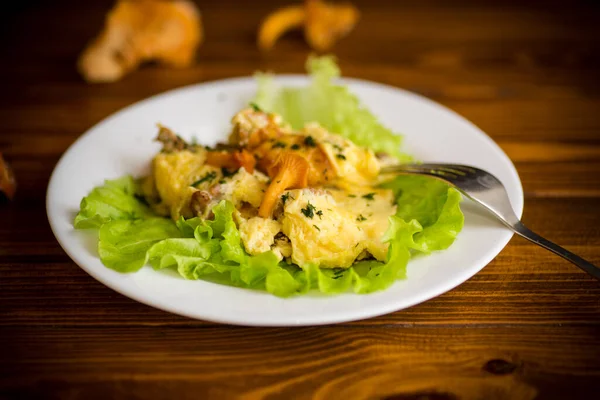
(527, 326)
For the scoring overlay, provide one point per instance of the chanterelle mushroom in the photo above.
(8, 184)
(324, 23)
(136, 31)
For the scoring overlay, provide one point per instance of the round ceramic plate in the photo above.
(123, 144)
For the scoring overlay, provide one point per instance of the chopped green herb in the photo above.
(360, 218)
(351, 195)
(222, 181)
(309, 211)
(295, 146)
(255, 107)
(369, 196)
(320, 214)
(208, 177)
(317, 228)
(285, 197)
(337, 147)
(278, 144)
(309, 141)
(341, 156)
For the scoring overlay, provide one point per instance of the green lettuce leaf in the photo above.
(115, 200)
(333, 106)
(213, 250)
(123, 244)
(433, 205)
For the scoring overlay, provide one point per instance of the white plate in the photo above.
(123, 144)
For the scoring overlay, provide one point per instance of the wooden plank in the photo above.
(320, 363)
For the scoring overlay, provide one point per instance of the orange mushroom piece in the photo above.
(136, 31)
(289, 172)
(270, 152)
(8, 184)
(291, 169)
(278, 23)
(232, 160)
(324, 23)
(327, 23)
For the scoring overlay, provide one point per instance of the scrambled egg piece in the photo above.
(334, 233)
(371, 209)
(353, 165)
(174, 174)
(258, 234)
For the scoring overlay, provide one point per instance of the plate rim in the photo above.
(348, 316)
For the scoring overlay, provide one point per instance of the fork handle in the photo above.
(528, 234)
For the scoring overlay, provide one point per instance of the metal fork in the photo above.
(487, 190)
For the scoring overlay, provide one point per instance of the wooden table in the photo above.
(527, 325)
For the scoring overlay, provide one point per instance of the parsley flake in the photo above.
(255, 107)
(341, 156)
(360, 218)
(295, 146)
(285, 197)
(320, 214)
(309, 211)
(369, 196)
(351, 195)
(206, 178)
(278, 145)
(317, 228)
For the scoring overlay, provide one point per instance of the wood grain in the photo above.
(526, 326)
